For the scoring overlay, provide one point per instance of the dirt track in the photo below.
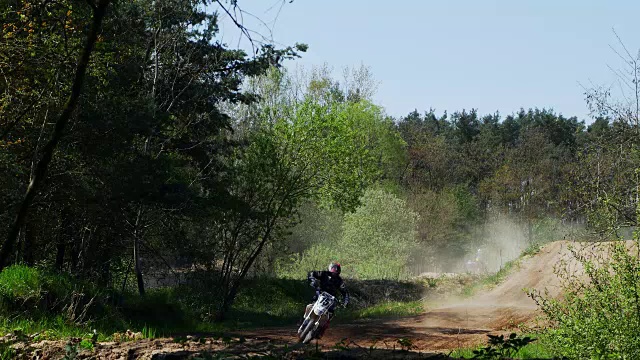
(460, 322)
(451, 325)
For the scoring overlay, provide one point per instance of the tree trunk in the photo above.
(76, 245)
(27, 250)
(60, 249)
(230, 295)
(47, 152)
(105, 274)
(136, 253)
(63, 237)
(126, 278)
(227, 301)
(138, 269)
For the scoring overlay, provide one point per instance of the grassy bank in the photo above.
(56, 306)
(539, 349)
(277, 302)
(490, 280)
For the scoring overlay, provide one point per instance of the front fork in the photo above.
(305, 320)
(307, 310)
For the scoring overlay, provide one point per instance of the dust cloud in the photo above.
(502, 238)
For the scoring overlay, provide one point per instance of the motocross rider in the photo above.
(331, 282)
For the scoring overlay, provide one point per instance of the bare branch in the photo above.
(240, 26)
(623, 46)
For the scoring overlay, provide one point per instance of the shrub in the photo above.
(376, 243)
(20, 283)
(40, 294)
(598, 315)
(379, 237)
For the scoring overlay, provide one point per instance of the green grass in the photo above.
(491, 280)
(6, 353)
(532, 249)
(281, 302)
(20, 282)
(386, 309)
(494, 279)
(48, 328)
(149, 332)
(535, 350)
(270, 302)
(33, 301)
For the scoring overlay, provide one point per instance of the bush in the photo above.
(25, 287)
(316, 257)
(447, 218)
(599, 313)
(20, 283)
(376, 243)
(379, 237)
(33, 294)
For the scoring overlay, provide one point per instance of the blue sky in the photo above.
(454, 54)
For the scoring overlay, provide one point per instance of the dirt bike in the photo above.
(316, 316)
(475, 267)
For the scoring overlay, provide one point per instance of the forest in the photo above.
(143, 161)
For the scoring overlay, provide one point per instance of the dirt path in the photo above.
(459, 323)
(455, 324)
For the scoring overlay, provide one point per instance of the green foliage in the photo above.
(269, 301)
(522, 165)
(532, 249)
(340, 146)
(296, 150)
(6, 353)
(159, 310)
(493, 279)
(316, 225)
(297, 265)
(20, 283)
(262, 302)
(500, 348)
(379, 237)
(439, 230)
(388, 309)
(86, 344)
(445, 226)
(46, 307)
(536, 348)
(71, 350)
(376, 241)
(599, 313)
(406, 344)
(149, 332)
(466, 204)
(39, 291)
(157, 156)
(172, 155)
(266, 301)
